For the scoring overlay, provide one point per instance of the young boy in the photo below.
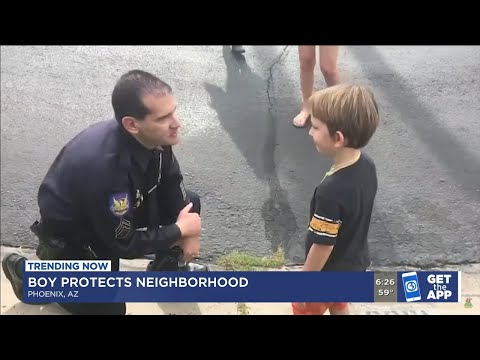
(344, 118)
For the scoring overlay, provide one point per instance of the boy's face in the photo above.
(322, 139)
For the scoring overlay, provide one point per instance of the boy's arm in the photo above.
(322, 232)
(317, 257)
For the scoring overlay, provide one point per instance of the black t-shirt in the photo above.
(340, 213)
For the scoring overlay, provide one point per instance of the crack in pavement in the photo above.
(270, 78)
(279, 219)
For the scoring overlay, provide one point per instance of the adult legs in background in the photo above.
(328, 64)
(328, 56)
(306, 56)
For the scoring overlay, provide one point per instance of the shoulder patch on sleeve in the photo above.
(119, 203)
(323, 226)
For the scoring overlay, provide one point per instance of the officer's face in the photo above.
(160, 127)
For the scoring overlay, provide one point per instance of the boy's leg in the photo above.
(339, 309)
(328, 64)
(310, 308)
(306, 55)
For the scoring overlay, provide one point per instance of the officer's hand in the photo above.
(189, 223)
(190, 247)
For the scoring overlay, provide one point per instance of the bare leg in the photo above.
(343, 311)
(328, 64)
(306, 56)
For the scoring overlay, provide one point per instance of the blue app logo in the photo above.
(411, 286)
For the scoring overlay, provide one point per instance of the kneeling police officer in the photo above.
(116, 191)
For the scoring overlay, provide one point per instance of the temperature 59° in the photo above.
(385, 292)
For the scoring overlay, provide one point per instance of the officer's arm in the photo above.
(110, 211)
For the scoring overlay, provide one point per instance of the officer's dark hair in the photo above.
(129, 90)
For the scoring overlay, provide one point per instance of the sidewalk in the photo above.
(10, 305)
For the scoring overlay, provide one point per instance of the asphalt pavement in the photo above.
(255, 171)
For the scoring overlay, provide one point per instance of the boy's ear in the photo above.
(340, 140)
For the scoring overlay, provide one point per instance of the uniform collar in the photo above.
(138, 152)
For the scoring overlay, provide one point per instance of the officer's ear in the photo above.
(130, 124)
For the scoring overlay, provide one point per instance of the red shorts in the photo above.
(316, 308)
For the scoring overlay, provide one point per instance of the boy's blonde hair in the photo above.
(350, 109)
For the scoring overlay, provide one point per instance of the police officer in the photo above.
(116, 191)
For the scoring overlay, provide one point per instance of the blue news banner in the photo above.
(92, 281)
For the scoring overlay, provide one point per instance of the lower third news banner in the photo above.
(93, 281)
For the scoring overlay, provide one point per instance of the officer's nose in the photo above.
(176, 123)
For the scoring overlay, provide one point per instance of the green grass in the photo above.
(243, 309)
(239, 261)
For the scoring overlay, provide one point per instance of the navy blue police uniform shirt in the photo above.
(340, 215)
(98, 186)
